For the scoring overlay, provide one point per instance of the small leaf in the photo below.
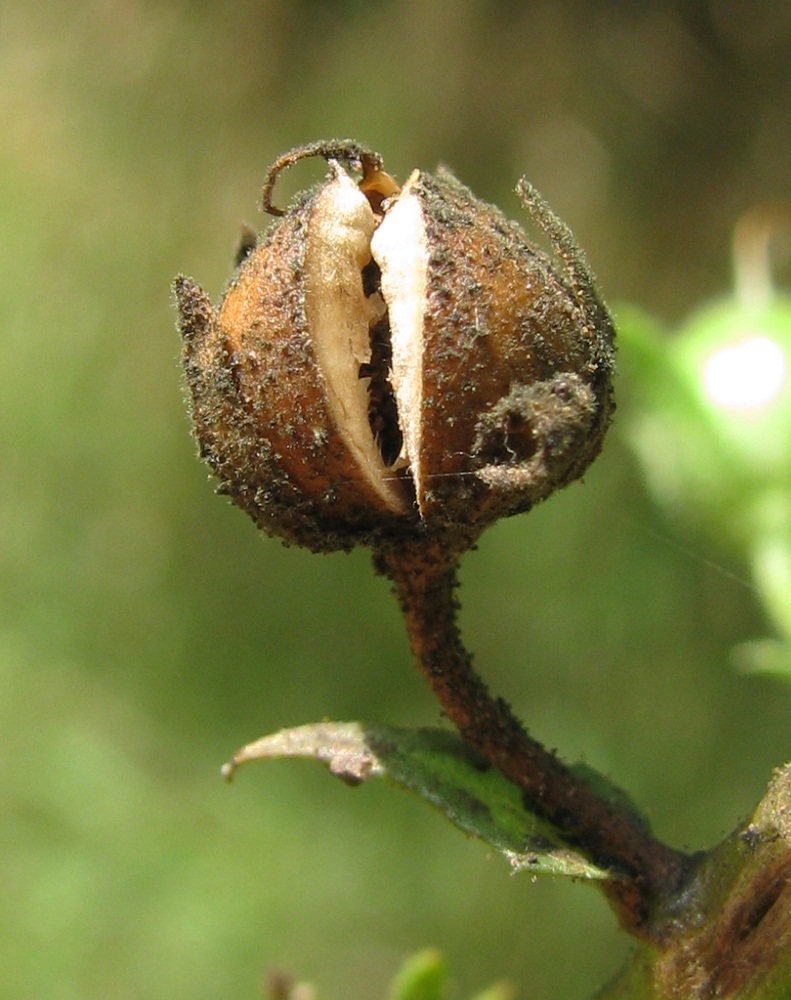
(423, 976)
(443, 770)
(499, 991)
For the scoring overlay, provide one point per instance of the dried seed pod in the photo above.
(394, 361)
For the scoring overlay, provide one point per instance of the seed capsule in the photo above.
(391, 360)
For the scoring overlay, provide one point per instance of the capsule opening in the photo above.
(382, 405)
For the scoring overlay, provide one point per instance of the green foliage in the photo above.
(713, 432)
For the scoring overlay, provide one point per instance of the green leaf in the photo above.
(443, 770)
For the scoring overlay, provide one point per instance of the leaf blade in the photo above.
(439, 767)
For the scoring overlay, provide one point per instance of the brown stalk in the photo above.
(646, 874)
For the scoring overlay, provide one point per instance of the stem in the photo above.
(646, 872)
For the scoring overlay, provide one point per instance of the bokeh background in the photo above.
(146, 631)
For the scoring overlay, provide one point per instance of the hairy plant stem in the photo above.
(647, 874)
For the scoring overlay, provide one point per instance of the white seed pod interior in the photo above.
(340, 317)
(399, 248)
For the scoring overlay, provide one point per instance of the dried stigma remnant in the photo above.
(392, 361)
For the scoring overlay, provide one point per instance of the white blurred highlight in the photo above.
(746, 376)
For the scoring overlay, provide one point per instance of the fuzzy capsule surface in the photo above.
(395, 361)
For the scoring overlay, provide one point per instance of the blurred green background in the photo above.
(146, 632)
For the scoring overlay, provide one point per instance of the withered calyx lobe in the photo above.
(392, 361)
